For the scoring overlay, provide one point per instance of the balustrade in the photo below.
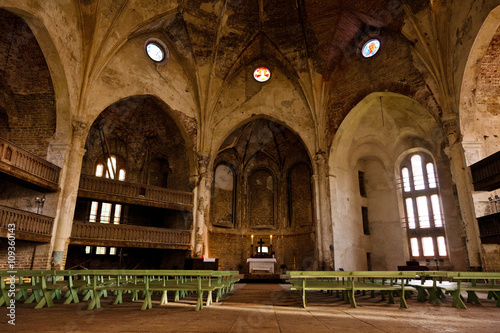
(127, 192)
(129, 235)
(489, 228)
(486, 173)
(27, 225)
(22, 164)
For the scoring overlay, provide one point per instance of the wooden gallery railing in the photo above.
(25, 225)
(22, 164)
(489, 228)
(100, 234)
(100, 188)
(486, 173)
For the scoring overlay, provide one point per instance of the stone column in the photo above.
(463, 182)
(70, 179)
(201, 206)
(324, 230)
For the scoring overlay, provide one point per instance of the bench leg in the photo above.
(209, 298)
(119, 297)
(71, 295)
(472, 298)
(492, 295)
(199, 304)
(352, 299)
(304, 297)
(433, 298)
(458, 301)
(219, 295)
(391, 297)
(88, 295)
(402, 301)
(22, 293)
(147, 301)
(47, 299)
(95, 303)
(164, 298)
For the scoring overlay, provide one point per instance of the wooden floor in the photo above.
(258, 308)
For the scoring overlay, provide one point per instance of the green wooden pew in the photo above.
(351, 281)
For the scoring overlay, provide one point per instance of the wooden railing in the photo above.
(25, 225)
(101, 234)
(486, 173)
(22, 164)
(100, 188)
(489, 228)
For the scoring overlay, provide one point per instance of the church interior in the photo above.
(327, 135)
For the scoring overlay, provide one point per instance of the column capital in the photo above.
(450, 125)
(79, 126)
(320, 157)
(203, 161)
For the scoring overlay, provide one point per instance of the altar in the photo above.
(261, 265)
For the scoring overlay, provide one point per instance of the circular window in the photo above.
(156, 51)
(370, 48)
(261, 74)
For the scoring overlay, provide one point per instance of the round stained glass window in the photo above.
(370, 48)
(261, 74)
(155, 52)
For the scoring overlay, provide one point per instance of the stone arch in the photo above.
(139, 132)
(181, 123)
(63, 105)
(371, 137)
(479, 120)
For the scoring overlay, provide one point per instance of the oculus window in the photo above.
(157, 51)
(370, 48)
(261, 74)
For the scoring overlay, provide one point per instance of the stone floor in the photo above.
(258, 308)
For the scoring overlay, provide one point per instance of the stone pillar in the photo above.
(324, 228)
(201, 207)
(67, 200)
(463, 182)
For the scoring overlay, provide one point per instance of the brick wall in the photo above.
(300, 195)
(27, 99)
(232, 249)
(28, 255)
(491, 257)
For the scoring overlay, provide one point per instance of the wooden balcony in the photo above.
(22, 164)
(486, 173)
(120, 235)
(489, 228)
(104, 189)
(27, 225)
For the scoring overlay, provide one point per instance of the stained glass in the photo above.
(155, 52)
(370, 48)
(261, 74)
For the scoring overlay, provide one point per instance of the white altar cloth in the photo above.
(259, 265)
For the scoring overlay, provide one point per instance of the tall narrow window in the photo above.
(366, 223)
(362, 188)
(422, 203)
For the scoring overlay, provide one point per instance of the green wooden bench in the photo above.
(350, 282)
(44, 286)
(492, 287)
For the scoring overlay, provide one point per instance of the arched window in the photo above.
(422, 205)
(105, 212)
